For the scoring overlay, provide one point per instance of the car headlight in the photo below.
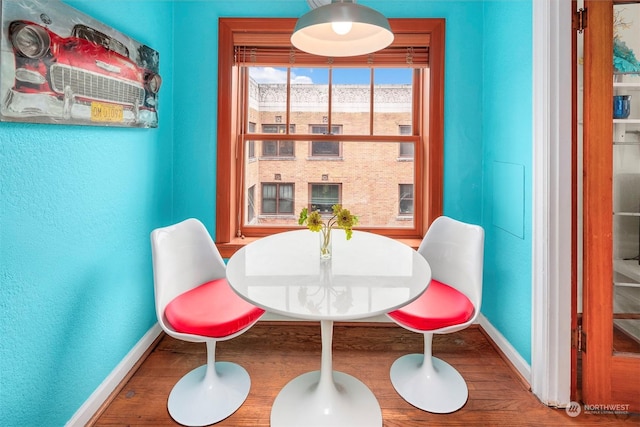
(154, 81)
(31, 41)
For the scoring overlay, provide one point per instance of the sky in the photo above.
(340, 75)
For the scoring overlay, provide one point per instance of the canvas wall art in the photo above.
(58, 65)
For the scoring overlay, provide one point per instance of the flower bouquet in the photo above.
(341, 218)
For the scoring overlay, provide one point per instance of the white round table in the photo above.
(367, 275)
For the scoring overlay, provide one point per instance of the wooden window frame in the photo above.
(430, 122)
(278, 185)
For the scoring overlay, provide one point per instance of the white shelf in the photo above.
(625, 85)
(627, 272)
(626, 143)
(626, 120)
(630, 86)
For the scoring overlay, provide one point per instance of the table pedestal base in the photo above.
(346, 402)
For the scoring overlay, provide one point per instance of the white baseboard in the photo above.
(507, 349)
(104, 390)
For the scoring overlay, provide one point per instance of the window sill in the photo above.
(277, 158)
(228, 249)
(319, 158)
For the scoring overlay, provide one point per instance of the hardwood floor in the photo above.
(274, 353)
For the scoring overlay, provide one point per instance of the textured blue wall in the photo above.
(77, 204)
(507, 158)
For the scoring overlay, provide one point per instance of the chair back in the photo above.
(184, 256)
(455, 252)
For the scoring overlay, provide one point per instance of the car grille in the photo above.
(95, 86)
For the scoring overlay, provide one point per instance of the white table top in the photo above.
(368, 275)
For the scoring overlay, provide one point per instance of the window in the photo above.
(406, 148)
(324, 196)
(387, 105)
(251, 144)
(277, 199)
(276, 128)
(325, 148)
(277, 148)
(406, 199)
(251, 211)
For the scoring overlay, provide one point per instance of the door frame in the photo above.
(552, 209)
(605, 373)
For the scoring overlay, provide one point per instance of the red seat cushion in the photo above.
(438, 307)
(212, 309)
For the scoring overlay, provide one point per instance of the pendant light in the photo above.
(342, 28)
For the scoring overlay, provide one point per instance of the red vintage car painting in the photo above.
(83, 77)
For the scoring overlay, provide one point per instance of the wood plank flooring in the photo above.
(275, 352)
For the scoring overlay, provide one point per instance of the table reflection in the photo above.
(367, 275)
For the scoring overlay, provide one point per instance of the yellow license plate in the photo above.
(101, 112)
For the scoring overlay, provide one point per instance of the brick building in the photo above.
(372, 179)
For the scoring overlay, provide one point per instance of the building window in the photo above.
(277, 148)
(366, 97)
(406, 199)
(325, 148)
(406, 148)
(251, 203)
(323, 197)
(251, 144)
(277, 199)
(277, 128)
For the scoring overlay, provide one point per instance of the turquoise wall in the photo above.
(506, 169)
(195, 147)
(78, 203)
(487, 173)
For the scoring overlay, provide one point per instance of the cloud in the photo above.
(276, 75)
(300, 79)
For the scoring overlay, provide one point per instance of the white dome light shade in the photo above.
(314, 33)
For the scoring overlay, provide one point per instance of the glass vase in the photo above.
(325, 243)
(621, 106)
